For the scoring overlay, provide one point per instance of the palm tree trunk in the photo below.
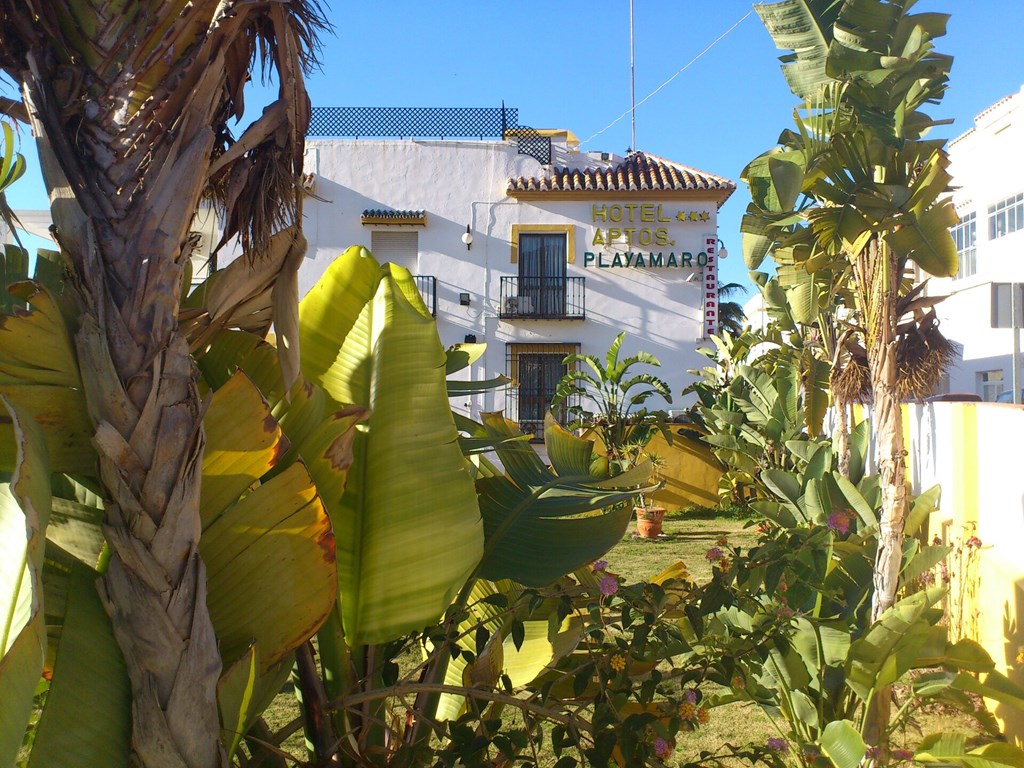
(842, 440)
(878, 274)
(129, 104)
(140, 387)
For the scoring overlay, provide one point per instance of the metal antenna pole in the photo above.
(632, 84)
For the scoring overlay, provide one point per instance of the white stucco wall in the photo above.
(987, 164)
(464, 182)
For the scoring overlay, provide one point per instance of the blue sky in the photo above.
(566, 65)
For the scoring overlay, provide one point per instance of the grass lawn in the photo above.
(683, 538)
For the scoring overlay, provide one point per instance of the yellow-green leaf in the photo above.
(270, 567)
(403, 552)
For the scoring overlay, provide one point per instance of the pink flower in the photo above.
(599, 565)
(973, 543)
(661, 748)
(714, 554)
(691, 696)
(779, 745)
(609, 585)
(839, 521)
(873, 753)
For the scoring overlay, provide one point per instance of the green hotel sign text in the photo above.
(640, 260)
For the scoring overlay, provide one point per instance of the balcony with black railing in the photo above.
(427, 286)
(543, 298)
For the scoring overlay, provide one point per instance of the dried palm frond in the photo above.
(923, 357)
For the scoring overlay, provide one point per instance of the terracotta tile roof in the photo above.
(637, 174)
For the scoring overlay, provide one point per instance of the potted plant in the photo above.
(607, 400)
(649, 516)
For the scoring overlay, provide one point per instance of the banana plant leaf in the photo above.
(39, 372)
(843, 745)
(24, 512)
(891, 646)
(522, 657)
(461, 356)
(951, 749)
(274, 542)
(243, 693)
(802, 26)
(76, 518)
(403, 552)
(540, 525)
(89, 677)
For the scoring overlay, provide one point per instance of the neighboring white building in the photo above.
(567, 248)
(987, 164)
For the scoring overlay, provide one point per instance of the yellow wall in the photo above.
(690, 471)
(972, 451)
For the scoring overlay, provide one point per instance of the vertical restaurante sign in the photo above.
(711, 286)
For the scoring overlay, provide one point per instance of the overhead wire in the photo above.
(686, 66)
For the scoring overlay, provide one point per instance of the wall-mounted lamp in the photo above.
(722, 253)
(464, 299)
(467, 238)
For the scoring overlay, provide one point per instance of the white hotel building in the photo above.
(520, 240)
(987, 164)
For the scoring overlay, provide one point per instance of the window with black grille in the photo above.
(535, 370)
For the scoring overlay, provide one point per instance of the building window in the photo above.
(965, 235)
(542, 273)
(399, 247)
(567, 231)
(1006, 216)
(536, 370)
(991, 385)
(542, 289)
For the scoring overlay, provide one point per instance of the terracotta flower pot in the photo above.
(648, 521)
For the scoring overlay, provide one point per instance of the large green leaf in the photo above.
(243, 443)
(87, 718)
(925, 239)
(403, 552)
(39, 372)
(951, 749)
(921, 508)
(890, 647)
(843, 745)
(24, 512)
(544, 640)
(540, 526)
(269, 553)
(804, 27)
(243, 693)
(270, 566)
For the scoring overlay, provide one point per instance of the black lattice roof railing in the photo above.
(429, 123)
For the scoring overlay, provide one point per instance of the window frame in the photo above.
(513, 408)
(1010, 212)
(986, 384)
(967, 253)
(569, 230)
